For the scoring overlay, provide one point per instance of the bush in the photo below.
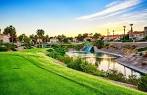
(87, 43)
(7, 47)
(126, 39)
(88, 68)
(84, 66)
(78, 47)
(50, 50)
(142, 85)
(75, 64)
(67, 60)
(132, 79)
(115, 75)
(59, 49)
(3, 48)
(99, 44)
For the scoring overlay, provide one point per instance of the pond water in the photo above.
(104, 62)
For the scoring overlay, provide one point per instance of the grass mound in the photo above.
(31, 72)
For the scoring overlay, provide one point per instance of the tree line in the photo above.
(41, 37)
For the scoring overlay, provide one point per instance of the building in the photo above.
(54, 40)
(39, 40)
(137, 35)
(113, 37)
(90, 38)
(4, 38)
(75, 40)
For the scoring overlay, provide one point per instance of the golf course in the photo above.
(31, 72)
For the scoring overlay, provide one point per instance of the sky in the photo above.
(72, 17)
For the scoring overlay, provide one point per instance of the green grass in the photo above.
(31, 72)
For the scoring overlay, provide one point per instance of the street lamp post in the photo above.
(131, 30)
(113, 34)
(107, 34)
(124, 31)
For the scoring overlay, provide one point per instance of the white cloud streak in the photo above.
(112, 8)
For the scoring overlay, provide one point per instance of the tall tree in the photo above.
(40, 34)
(80, 37)
(85, 35)
(10, 30)
(25, 40)
(61, 38)
(21, 37)
(46, 38)
(97, 36)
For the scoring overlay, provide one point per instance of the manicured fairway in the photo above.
(33, 73)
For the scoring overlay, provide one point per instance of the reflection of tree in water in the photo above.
(108, 61)
(98, 62)
(99, 54)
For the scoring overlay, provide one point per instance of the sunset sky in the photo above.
(71, 17)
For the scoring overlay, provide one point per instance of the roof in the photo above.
(136, 32)
(114, 35)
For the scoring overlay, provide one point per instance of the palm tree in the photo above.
(40, 34)
(107, 34)
(113, 34)
(124, 32)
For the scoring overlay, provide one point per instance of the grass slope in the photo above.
(32, 73)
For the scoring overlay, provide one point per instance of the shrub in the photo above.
(78, 47)
(132, 79)
(87, 43)
(115, 75)
(142, 85)
(99, 44)
(126, 39)
(75, 64)
(7, 47)
(84, 66)
(53, 54)
(59, 49)
(3, 48)
(60, 57)
(50, 50)
(88, 68)
(67, 60)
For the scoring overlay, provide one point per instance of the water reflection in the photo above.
(105, 62)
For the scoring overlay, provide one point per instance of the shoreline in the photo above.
(140, 70)
(123, 62)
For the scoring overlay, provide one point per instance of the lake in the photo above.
(104, 62)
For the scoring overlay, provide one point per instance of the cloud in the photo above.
(113, 3)
(112, 8)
